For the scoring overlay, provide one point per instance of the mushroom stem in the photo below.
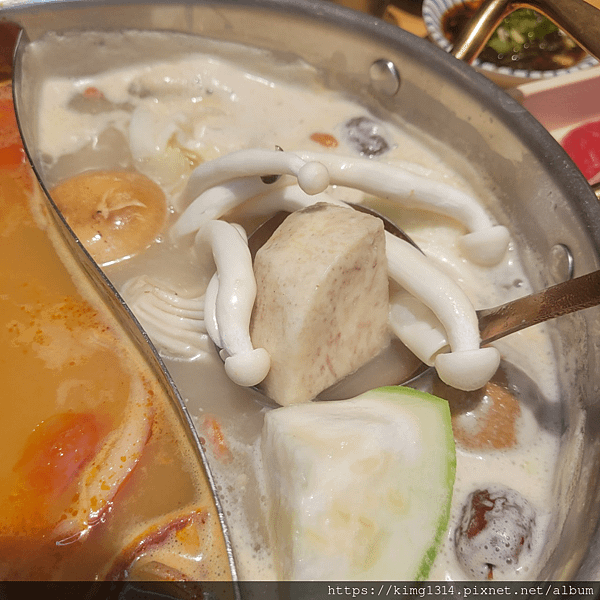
(467, 366)
(484, 244)
(230, 322)
(220, 185)
(313, 178)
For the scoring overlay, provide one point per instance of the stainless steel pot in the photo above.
(544, 198)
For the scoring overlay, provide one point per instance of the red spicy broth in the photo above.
(89, 440)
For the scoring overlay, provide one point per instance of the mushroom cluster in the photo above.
(430, 313)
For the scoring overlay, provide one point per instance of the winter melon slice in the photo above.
(359, 489)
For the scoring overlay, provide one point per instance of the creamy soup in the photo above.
(162, 120)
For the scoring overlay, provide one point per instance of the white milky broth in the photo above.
(164, 118)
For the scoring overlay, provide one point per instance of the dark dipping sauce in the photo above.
(524, 40)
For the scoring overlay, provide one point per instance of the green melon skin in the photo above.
(359, 489)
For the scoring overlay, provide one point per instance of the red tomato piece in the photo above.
(582, 144)
(57, 450)
(12, 156)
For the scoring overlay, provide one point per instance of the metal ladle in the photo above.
(494, 323)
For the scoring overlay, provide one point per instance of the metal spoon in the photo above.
(494, 323)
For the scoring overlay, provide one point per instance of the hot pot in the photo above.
(544, 198)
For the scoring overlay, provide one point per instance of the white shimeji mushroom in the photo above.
(432, 316)
(218, 186)
(228, 303)
(173, 317)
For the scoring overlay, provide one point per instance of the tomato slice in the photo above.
(582, 144)
(57, 450)
(12, 156)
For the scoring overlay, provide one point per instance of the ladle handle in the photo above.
(562, 299)
(577, 18)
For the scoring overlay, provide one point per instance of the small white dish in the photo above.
(433, 12)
